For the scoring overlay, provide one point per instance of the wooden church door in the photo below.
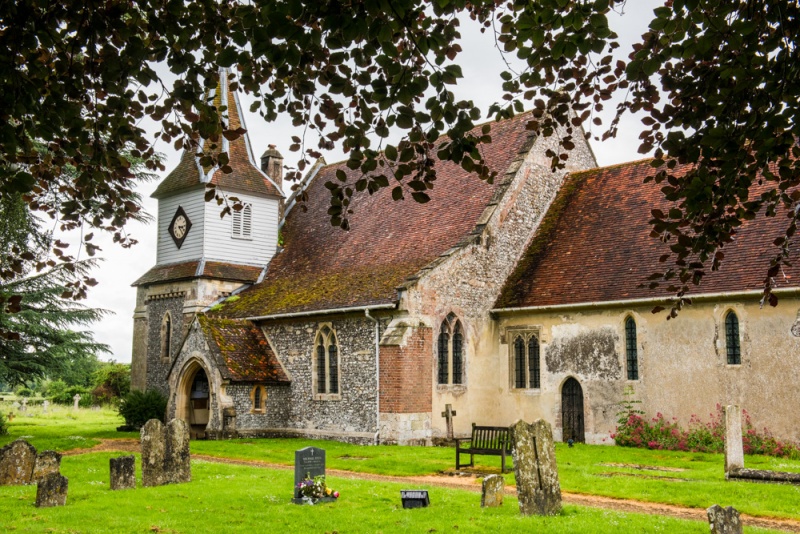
(572, 411)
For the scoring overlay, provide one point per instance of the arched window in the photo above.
(732, 346)
(327, 364)
(242, 221)
(166, 337)
(259, 397)
(450, 352)
(630, 349)
(527, 369)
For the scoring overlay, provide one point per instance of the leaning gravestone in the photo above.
(734, 452)
(123, 472)
(47, 463)
(724, 520)
(177, 464)
(308, 463)
(538, 489)
(52, 491)
(492, 490)
(153, 453)
(17, 461)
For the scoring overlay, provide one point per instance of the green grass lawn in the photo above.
(688, 479)
(229, 498)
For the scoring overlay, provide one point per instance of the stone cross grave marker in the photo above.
(734, 451)
(76, 399)
(24, 407)
(308, 463)
(45, 406)
(538, 489)
(448, 414)
(724, 520)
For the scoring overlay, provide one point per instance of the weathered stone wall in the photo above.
(683, 369)
(353, 410)
(468, 280)
(158, 367)
(276, 414)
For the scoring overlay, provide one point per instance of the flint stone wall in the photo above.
(157, 369)
(276, 415)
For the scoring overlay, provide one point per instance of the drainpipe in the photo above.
(377, 377)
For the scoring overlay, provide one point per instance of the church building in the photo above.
(515, 299)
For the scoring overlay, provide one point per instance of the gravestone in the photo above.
(724, 520)
(52, 491)
(47, 463)
(16, 405)
(734, 451)
(24, 406)
(45, 406)
(153, 453)
(448, 414)
(177, 464)
(308, 463)
(538, 489)
(123, 472)
(17, 460)
(493, 488)
(75, 400)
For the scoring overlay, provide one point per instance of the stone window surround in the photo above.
(166, 337)
(720, 313)
(509, 335)
(638, 354)
(724, 330)
(452, 321)
(314, 364)
(261, 407)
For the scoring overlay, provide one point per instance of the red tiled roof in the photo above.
(323, 267)
(244, 351)
(246, 176)
(594, 245)
(188, 270)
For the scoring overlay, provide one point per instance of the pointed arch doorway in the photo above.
(572, 411)
(194, 401)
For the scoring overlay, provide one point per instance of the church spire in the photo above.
(245, 173)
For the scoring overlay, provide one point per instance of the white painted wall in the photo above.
(220, 245)
(195, 207)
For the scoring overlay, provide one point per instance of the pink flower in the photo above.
(336, 494)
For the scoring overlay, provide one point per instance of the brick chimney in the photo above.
(272, 165)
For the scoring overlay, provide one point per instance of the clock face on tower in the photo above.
(179, 227)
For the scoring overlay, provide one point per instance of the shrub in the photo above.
(3, 425)
(138, 407)
(633, 430)
(111, 383)
(66, 396)
(22, 391)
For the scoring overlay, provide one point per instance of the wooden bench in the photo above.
(488, 440)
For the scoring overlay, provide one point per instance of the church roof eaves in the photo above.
(188, 270)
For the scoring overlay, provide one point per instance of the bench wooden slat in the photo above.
(487, 440)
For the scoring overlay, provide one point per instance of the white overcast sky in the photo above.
(481, 64)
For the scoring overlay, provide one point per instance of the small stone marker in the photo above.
(538, 489)
(308, 463)
(52, 491)
(415, 498)
(47, 463)
(75, 400)
(45, 406)
(724, 520)
(492, 490)
(734, 451)
(17, 460)
(448, 414)
(24, 406)
(153, 453)
(123, 472)
(177, 464)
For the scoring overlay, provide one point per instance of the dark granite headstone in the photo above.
(123, 472)
(308, 463)
(52, 491)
